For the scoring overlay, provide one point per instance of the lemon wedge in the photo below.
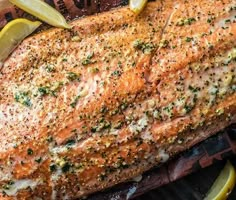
(137, 5)
(13, 33)
(223, 185)
(43, 11)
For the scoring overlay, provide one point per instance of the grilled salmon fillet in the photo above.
(84, 109)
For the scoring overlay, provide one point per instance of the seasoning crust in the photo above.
(84, 109)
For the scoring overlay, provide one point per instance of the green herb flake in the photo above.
(188, 108)
(8, 185)
(75, 101)
(53, 167)
(193, 89)
(88, 60)
(30, 151)
(146, 48)
(164, 43)
(187, 21)
(38, 160)
(94, 129)
(116, 73)
(23, 98)
(49, 139)
(220, 111)
(124, 106)
(94, 70)
(66, 167)
(50, 69)
(102, 177)
(118, 125)
(157, 114)
(72, 76)
(104, 109)
(44, 91)
(209, 20)
(50, 90)
(70, 142)
(188, 39)
(138, 44)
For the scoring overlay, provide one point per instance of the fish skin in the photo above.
(84, 109)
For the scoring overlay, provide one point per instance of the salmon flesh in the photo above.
(84, 109)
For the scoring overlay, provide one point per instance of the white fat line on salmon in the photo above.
(137, 178)
(14, 186)
(5, 174)
(140, 125)
(175, 8)
(226, 21)
(163, 156)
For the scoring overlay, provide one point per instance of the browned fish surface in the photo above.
(86, 108)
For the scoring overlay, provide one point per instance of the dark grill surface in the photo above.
(192, 187)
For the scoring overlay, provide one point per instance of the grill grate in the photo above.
(191, 187)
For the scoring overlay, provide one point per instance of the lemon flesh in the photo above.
(13, 33)
(223, 185)
(43, 11)
(137, 5)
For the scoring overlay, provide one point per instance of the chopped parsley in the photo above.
(38, 160)
(30, 151)
(138, 44)
(44, 90)
(94, 70)
(66, 167)
(23, 98)
(101, 125)
(70, 142)
(188, 39)
(210, 19)
(75, 101)
(50, 69)
(50, 90)
(53, 167)
(188, 108)
(118, 125)
(8, 185)
(72, 76)
(146, 48)
(164, 43)
(187, 21)
(116, 73)
(88, 59)
(193, 89)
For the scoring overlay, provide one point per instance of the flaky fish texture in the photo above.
(84, 109)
